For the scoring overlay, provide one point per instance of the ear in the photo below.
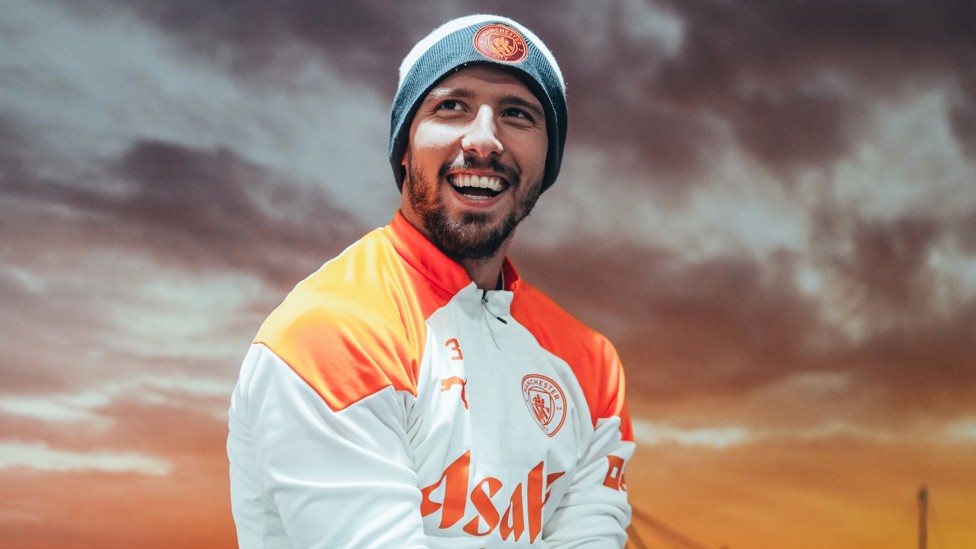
(403, 170)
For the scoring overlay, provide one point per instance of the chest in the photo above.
(488, 390)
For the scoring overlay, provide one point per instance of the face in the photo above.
(474, 162)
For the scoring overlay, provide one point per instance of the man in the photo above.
(415, 391)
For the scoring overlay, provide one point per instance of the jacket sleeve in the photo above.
(595, 511)
(318, 477)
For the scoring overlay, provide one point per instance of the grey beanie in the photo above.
(480, 39)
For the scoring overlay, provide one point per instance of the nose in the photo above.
(481, 135)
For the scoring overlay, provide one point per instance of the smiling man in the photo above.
(474, 166)
(415, 391)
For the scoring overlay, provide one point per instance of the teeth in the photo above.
(465, 180)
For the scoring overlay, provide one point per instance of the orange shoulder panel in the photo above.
(591, 356)
(356, 326)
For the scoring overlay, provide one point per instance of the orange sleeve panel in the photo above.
(356, 326)
(591, 356)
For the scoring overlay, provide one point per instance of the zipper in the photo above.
(484, 303)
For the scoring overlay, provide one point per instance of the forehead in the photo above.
(484, 78)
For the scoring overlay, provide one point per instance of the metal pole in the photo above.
(923, 511)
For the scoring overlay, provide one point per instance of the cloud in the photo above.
(657, 434)
(884, 263)
(730, 267)
(768, 208)
(963, 431)
(718, 325)
(804, 73)
(215, 206)
(791, 86)
(39, 457)
(62, 409)
(653, 434)
(963, 118)
(191, 208)
(109, 79)
(705, 330)
(91, 405)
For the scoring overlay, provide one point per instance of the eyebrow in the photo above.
(439, 93)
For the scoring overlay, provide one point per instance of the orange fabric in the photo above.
(356, 326)
(590, 355)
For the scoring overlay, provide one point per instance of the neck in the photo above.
(485, 272)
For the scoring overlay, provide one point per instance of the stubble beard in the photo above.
(471, 236)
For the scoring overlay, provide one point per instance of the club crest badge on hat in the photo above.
(500, 43)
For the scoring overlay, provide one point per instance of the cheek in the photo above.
(433, 137)
(534, 154)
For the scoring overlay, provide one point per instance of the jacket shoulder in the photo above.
(352, 328)
(591, 356)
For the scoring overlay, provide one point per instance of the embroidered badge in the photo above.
(546, 402)
(501, 43)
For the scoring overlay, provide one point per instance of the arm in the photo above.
(314, 476)
(595, 511)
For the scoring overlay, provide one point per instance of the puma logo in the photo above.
(446, 385)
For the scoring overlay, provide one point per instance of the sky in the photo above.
(769, 207)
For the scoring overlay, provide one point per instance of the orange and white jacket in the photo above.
(389, 402)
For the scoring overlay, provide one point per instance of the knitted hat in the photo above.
(480, 40)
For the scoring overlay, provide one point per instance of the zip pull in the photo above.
(484, 303)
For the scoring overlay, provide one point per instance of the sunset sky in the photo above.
(769, 207)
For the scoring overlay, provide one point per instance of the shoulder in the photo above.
(344, 291)
(347, 329)
(555, 328)
(591, 356)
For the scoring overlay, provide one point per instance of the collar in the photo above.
(424, 256)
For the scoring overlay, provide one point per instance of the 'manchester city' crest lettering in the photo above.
(501, 43)
(546, 402)
(524, 505)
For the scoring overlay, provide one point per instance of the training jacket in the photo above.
(389, 402)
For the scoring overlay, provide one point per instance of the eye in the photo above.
(449, 105)
(517, 113)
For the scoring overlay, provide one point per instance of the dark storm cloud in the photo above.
(918, 329)
(963, 119)
(965, 229)
(367, 40)
(729, 325)
(767, 66)
(214, 204)
(724, 325)
(195, 209)
(925, 368)
(881, 269)
(792, 80)
(364, 40)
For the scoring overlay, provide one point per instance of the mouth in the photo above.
(477, 187)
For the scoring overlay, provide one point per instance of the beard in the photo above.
(471, 236)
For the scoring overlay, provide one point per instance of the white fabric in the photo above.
(461, 22)
(303, 476)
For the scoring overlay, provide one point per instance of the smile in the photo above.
(477, 186)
